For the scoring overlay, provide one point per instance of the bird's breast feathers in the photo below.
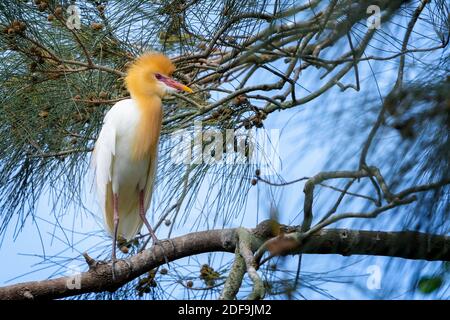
(137, 127)
(127, 144)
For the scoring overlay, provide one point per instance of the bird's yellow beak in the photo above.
(172, 83)
(185, 88)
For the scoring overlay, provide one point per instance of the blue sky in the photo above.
(341, 277)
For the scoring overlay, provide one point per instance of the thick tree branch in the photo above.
(234, 279)
(405, 244)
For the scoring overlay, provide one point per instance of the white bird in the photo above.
(125, 153)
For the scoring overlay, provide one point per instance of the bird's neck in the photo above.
(149, 125)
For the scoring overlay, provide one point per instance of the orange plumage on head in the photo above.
(140, 79)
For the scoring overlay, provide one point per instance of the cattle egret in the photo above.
(125, 153)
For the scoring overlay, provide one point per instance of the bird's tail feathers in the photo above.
(130, 222)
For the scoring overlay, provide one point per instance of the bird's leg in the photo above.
(144, 218)
(116, 228)
(147, 224)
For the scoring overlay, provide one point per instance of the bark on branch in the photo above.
(405, 244)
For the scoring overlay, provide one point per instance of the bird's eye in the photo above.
(158, 76)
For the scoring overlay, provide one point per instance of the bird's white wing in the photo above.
(102, 160)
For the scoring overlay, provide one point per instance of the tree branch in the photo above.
(404, 244)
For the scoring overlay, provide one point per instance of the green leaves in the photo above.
(429, 284)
